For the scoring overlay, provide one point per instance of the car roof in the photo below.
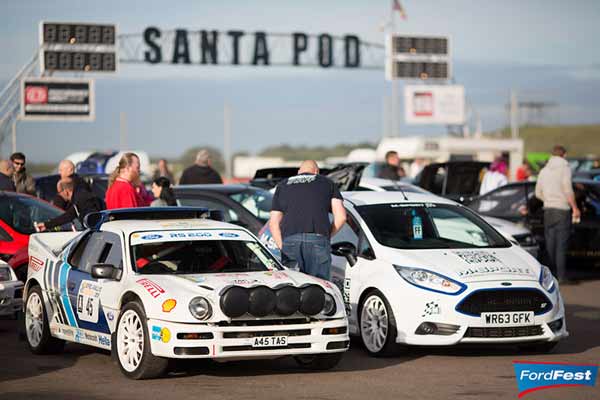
(136, 225)
(225, 189)
(367, 198)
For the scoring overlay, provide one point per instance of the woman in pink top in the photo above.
(122, 190)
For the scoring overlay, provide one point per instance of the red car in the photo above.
(18, 212)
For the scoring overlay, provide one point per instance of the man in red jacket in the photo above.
(124, 187)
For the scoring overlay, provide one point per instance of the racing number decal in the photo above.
(88, 301)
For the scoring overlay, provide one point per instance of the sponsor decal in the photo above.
(477, 257)
(110, 316)
(152, 236)
(228, 235)
(283, 275)
(168, 305)
(244, 281)
(533, 376)
(78, 335)
(90, 337)
(67, 331)
(494, 269)
(346, 295)
(104, 340)
(88, 301)
(431, 308)
(184, 235)
(153, 288)
(161, 334)
(35, 263)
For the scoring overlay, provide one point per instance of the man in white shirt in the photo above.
(555, 189)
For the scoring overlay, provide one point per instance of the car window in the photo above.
(431, 226)
(228, 213)
(4, 236)
(97, 248)
(201, 256)
(20, 212)
(258, 202)
(588, 200)
(503, 203)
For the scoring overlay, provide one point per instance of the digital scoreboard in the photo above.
(418, 57)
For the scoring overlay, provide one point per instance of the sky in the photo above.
(546, 50)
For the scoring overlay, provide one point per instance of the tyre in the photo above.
(37, 328)
(132, 345)
(538, 347)
(377, 325)
(319, 362)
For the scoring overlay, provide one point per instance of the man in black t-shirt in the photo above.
(300, 220)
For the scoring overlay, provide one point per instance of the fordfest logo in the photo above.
(532, 376)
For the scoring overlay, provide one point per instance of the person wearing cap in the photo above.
(24, 182)
(201, 172)
(555, 188)
(300, 222)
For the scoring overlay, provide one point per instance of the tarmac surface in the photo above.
(417, 373)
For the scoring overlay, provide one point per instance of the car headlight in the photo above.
(547, 279)
(329, 308)
(429, 280)
(200, 308)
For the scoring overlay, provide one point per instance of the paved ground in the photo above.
(83, 373)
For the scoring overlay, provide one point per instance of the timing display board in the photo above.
(75, 47)
(418, 57)
(57, 99)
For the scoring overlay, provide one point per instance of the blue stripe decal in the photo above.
(64, 294)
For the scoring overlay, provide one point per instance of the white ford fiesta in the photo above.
(419, 269)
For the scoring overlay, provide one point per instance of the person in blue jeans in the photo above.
(300, 220)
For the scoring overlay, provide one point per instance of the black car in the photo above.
(45, 186)
(241, 204)
(457, 180)
(516, 202)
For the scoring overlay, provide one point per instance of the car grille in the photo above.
(504, 332)
(265, 322)
(237, 335)
(504, 300)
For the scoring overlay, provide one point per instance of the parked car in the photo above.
(241, 204)
(516, 202)
(456, 180)
(11, 292)
(18, 212)
(418, 269)
(153, 284)
(45, 186)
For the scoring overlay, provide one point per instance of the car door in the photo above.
(84, 291)
(348, 277)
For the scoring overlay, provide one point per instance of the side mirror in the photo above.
(345, 249)
(105, 271)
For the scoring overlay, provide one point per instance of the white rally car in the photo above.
(419, 269)
(153, 284)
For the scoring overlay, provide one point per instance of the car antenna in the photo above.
(399, 187)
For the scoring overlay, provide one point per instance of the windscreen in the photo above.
(257, 201)
(20, 212)
(429, 226)
(201, 257)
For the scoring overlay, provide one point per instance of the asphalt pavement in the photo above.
(417, 373)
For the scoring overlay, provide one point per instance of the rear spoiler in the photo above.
(95, 220)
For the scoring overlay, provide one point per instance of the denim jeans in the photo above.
(557, 228)
(308, 252)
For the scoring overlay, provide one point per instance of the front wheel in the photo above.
(37, 328)
(133, 345)
(377, 325)
(319, 362)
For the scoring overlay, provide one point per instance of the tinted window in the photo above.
(97, 248)
(257, 201)
(20, 212)
(201, 257)
(228, 213)
(414, 226)
(503, 203)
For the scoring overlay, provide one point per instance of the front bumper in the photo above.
(11, 299)
(457, 327)
(235, 342)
